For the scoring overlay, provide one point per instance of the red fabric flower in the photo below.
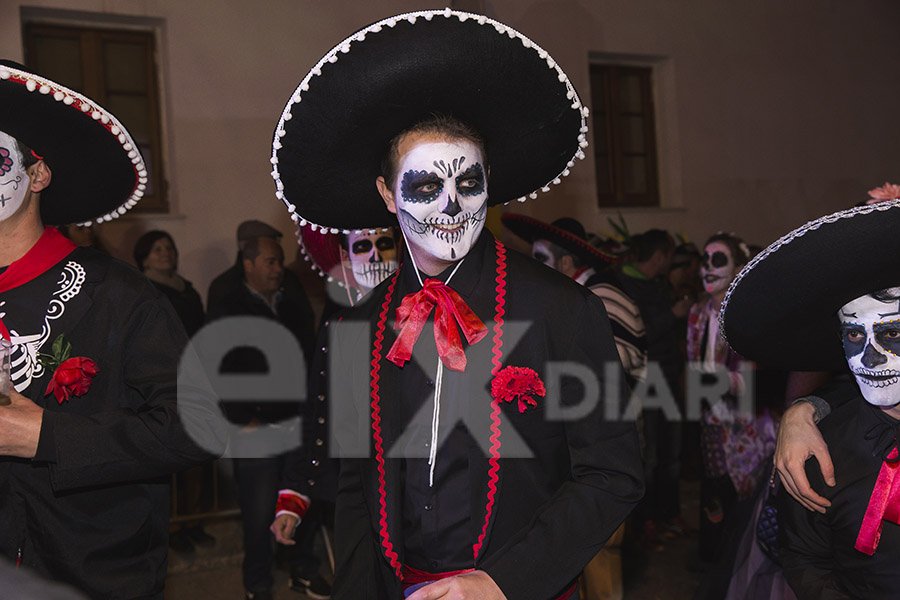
(72, 378)
(518, 383)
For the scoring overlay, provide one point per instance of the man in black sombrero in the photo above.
(469, 465)
(784, 311)
(91, 430)
(563, 245)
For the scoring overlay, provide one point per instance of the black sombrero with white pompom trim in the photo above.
(781, 309)
(339, 121)
(97, 172)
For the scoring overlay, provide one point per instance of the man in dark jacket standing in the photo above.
(91, 429)
(261, 295)
(466, 472)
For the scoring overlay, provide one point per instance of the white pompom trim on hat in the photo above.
(345, 46)
(79, 102)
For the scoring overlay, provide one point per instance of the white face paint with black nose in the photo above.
(441, 197)
(717, 268)
(13, 178)
(372, 258)
(870, 331)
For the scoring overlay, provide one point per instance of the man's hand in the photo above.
(20, 426)
(798, 439)
(476, 585)
(283, 527)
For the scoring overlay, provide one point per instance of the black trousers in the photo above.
(258, 481)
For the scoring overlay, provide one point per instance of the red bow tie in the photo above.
(412, 314)
(884, 505)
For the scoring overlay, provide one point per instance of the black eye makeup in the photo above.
(361, 246)
(715, 260)
(888, 335)
(421, 186)
(471, 181)
(385, 243)
(853, 337)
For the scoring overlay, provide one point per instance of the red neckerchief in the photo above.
(412, 315)
(884, 505)
(50, 248)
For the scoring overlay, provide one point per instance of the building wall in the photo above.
(769, 113)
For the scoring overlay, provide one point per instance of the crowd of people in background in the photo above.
(136, 394)
(662, 298)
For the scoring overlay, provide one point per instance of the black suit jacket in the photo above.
(546, 515)
(91, 509)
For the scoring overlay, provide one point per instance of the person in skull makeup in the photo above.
(850, 550)
(454, 482)
(733, 444)
(372, 257)
(93, 427)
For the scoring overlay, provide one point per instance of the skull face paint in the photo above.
(717, 268)
(870, 332)
(372, 258)
(441, 198)
(13, 178)
(542, 251)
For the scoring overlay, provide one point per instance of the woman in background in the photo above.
(157, 258)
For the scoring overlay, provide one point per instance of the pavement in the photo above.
(666, 572)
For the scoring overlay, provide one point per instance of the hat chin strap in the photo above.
(439, 374)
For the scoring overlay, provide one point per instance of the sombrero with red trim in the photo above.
(97, 170)
(565, 232)
(338, 123)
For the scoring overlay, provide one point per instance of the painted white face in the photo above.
(717, 268)
(13, 178)
(372, 258)
(441, 198)
(870, 331)
(542, 251)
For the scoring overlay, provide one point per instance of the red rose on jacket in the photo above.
(72, 378)
(518, 383)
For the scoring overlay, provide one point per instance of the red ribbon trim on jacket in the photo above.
(50, 248)
(412, 315)
(375, 393)
(884, 505)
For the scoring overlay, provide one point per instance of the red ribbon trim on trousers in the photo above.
(412, 315)
(884, 505)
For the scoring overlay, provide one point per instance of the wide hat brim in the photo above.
(781, 309)
(97, 172)
(339, 122)
(322, 249)
(530, 229)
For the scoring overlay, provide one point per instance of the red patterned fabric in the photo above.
(376, 428)
(496, 362)
(884, 505)
(412, 315)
